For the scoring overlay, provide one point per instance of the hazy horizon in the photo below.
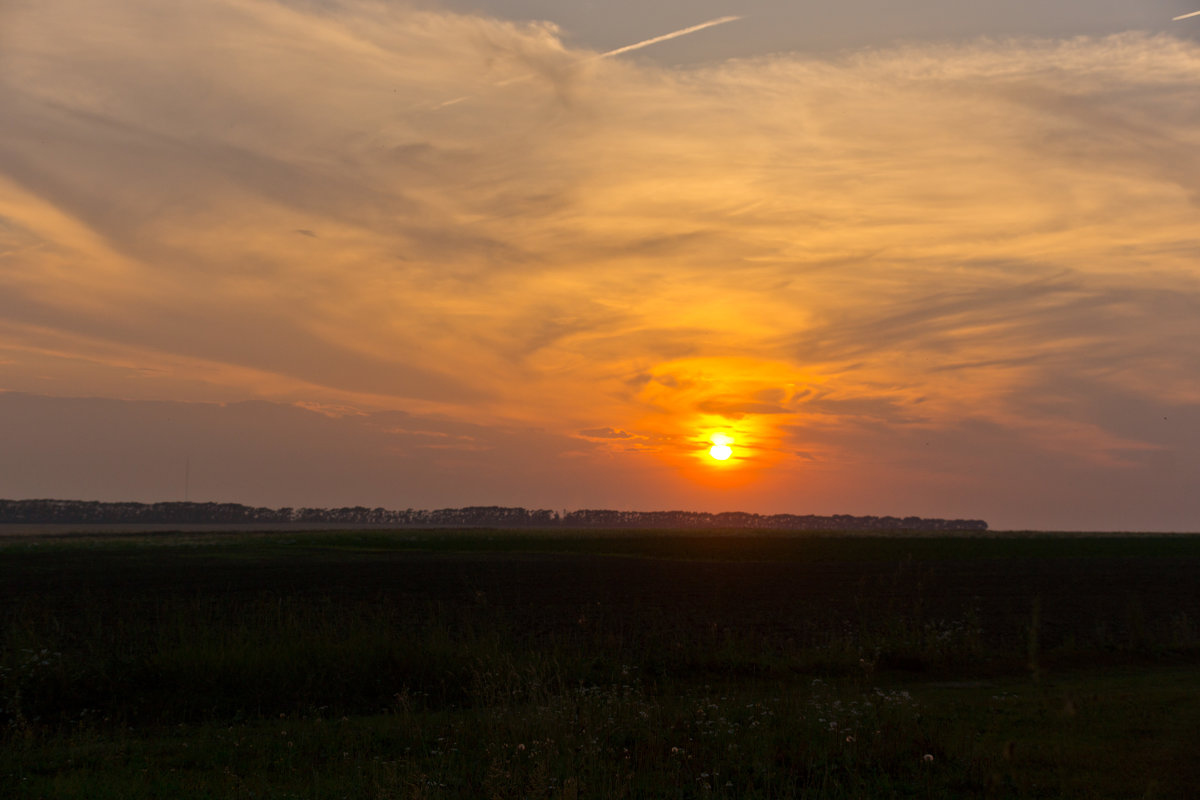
(940, 260)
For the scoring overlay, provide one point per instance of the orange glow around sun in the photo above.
(720, 421)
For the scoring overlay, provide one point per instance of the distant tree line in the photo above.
(81, 511)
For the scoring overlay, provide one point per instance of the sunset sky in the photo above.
(937, 258)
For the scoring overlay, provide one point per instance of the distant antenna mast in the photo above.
(187, 479)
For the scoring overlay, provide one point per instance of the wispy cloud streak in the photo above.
(666, 37)
(1185, 16)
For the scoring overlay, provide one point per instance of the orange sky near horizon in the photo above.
(892, 275)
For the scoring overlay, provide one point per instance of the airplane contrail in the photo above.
(712, 23)
(1185, 16)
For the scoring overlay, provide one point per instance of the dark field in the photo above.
(497, 664)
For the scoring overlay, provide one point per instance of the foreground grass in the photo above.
(1114, 735)
(269, 667)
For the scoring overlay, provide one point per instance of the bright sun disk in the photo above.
(720, 451)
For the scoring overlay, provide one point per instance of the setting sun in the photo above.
(720, 449)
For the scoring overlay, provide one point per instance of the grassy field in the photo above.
(505, 664)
